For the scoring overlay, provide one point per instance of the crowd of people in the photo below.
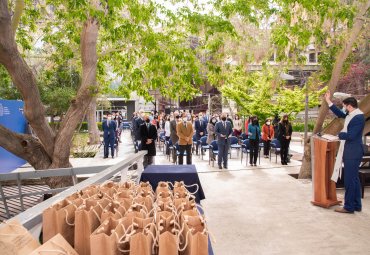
(180, 127)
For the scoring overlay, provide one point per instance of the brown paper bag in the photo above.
(165, 204)
(15, 239)
(103, 240)
(59, 218)
(184, 204)
(144, 241)
(195, 236)
(168, 230)
(56, 245)
(109, 188)
(110, 238)
(144, 189)
(162, 187)
(86, 221)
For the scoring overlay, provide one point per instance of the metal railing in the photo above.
(33, 216)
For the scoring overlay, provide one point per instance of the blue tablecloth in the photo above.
(171, 173)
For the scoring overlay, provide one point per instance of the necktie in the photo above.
(148, 126)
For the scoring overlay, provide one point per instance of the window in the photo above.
(312, 58)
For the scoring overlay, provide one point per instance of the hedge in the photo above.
(299, 127)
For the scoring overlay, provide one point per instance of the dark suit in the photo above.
(283, 132)
(223, 143)
(109, 129)
(352, 156)
(174, 138)
(148, 131)
(200, 127)
(138, 122)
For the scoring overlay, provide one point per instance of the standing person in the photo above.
(229, 119)
(139, 121)
(267, 135)
(275, 124)
(167, 132)
(173, 134)
(200, 129)
(238, 126)
(185, 133)
(350, 151)
(223, 131)
(148, 134)
(254, 135)
(211, 131)
(109, 128)
(285, 131)
(133, 125)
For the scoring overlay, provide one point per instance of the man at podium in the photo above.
(350, 151)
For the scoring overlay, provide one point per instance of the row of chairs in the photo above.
(235, 144)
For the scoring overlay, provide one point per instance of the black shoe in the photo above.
(225, 167)
(112, 156)
(358, 210)
(255, 164)
(105, 157)
(219, 167)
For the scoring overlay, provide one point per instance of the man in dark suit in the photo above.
(148, 134)
(109, 128)
(223, 131)
(173, 134)
(200, 129)
(352, 153)
(139, 121)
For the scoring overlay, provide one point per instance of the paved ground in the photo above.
(263, 210)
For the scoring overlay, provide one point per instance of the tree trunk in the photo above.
(344, 52)
(94, 136)
(84, 96)
(48, 151)
(24, 80)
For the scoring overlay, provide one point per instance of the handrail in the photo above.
(34, 174)
(33, 216)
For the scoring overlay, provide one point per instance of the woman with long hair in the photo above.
(238, 126)
(254, 135)
(267, 136)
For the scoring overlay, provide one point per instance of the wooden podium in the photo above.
(323, 160)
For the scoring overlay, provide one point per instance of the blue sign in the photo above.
(11, 117)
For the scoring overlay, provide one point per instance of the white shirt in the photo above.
(167, 128)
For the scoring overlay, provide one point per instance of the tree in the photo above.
(97, 37)
(333, 26)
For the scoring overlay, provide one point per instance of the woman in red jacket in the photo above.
(267, 136)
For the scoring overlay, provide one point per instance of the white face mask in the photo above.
(268, 122)
(185, 119)
(109, 118)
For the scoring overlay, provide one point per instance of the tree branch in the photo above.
(24, 146)
(18, 11)
(24, 80)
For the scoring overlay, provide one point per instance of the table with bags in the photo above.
(120, 218)
(188, 174)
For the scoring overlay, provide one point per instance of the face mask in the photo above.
(147, 120)
(255, 121)
(285, 120)
(213, 121)
(185, 119)
(268, 122)
(109, 118)
(223, 118)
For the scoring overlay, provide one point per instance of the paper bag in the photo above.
(56, 245)
(15, 239)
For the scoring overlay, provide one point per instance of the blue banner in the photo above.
(11, 117)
